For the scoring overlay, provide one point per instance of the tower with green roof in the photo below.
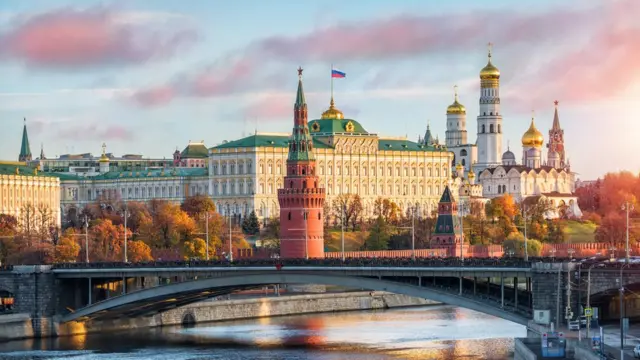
(301, 199)
(447, 232)
(25, 150)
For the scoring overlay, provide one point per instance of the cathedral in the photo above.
(481, 171)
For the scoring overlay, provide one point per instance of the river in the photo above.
(436, 332)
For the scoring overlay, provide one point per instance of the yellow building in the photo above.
(30, 196)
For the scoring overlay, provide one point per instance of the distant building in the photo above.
(447, 233)
(29, 195)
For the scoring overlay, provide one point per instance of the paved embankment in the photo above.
(221, 310)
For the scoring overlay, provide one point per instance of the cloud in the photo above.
(95, 131)
(563, 35)
(70, 38)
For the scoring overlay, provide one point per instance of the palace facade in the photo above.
(32, 197)
(246, 173)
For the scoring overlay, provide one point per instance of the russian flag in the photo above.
(337, 73)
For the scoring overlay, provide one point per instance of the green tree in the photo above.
(379, 235)
(250, 224)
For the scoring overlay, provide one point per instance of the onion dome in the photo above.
(508, 156)
(459, 167)
(489, 71)
(532, 137)
(471, 175)
(332, 112)
(456, 107)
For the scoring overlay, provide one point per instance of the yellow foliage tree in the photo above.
(138, 251)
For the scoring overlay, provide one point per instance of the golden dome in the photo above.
(489, 71)
(456, 107)
(471, 175)
(104, 158)
(332, 112)
(459, 167)
(532, 137)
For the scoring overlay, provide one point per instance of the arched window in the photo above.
(304, 183)
(491, 128)
(319, 216)
(483, 129)
(291, 184)
(499, 130)
(289, 216)
(463, 152)
(463, 162)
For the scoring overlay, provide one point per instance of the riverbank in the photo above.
(21, 326)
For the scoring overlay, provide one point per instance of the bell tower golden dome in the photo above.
(489, 71)
(332, 112)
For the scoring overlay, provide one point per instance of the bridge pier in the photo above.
(475, 282)
(515, 289)
(502, 292)
(90, 295)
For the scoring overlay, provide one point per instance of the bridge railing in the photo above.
(6, 268)
(281, 262)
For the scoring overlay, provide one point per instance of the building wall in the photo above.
(77, 193)
(22, 189)
(523, 184)
(246, 179)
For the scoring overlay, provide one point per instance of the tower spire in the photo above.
(42, 157)
(556, 119)
(25, 149)
(300, 143)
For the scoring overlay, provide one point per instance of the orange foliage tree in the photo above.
(67, 249)
(106, 241)
(138, 251)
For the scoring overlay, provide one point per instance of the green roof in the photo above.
(404, 145)
(25, 150)
(143, 174)
(195, 151)
(336, 126)
(447, 224)
(259, 140)
(16, 168)
(446, 195)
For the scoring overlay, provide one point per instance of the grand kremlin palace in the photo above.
(246, 173)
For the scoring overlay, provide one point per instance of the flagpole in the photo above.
(331, 84)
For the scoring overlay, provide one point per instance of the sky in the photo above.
(147, 76)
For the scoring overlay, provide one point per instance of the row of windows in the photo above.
(278, 169)
(491, 128)
(144, 192)
(12, 196)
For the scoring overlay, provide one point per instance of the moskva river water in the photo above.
(436, 332)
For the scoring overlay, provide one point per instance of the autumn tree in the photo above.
(138, 251)
(106, 241)
(388, 209)
(67, 249)
(167, 226)
(8, 225)
(198, 205)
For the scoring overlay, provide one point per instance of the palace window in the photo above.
(232, 169)
(483, 126)
(491, 128)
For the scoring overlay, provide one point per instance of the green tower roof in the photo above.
(301, 143)
(25, 150)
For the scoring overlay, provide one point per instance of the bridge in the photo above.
(511, 289)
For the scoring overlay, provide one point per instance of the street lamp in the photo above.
(627, 206)
(86, 239)
(622, 301)
(126, 216)
(553, 253)
(598, 264)
(413, 232)
(612, 256)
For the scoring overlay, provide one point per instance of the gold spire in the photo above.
(489, 71)
(532, 137)
(456, 107)
(104, 157)
(332, 112)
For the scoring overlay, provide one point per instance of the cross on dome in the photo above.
(490, 46)
(455, 91)
(104, 149)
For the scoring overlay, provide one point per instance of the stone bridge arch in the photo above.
(162, 298)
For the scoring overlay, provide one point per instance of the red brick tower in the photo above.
(301, 200)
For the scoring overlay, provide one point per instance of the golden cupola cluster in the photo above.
(532, 137)
(332, 112)
(456, 108)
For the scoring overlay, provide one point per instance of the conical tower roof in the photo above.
(300, 143)
(25, 149)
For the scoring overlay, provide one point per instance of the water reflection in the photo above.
(439, 333)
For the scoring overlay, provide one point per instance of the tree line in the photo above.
(153, 229)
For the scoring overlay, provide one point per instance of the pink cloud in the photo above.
(154, 96)
(270, 108)
(562, 34)
(71, 38)
(95, 132)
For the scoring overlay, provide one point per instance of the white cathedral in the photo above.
(498, 173)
